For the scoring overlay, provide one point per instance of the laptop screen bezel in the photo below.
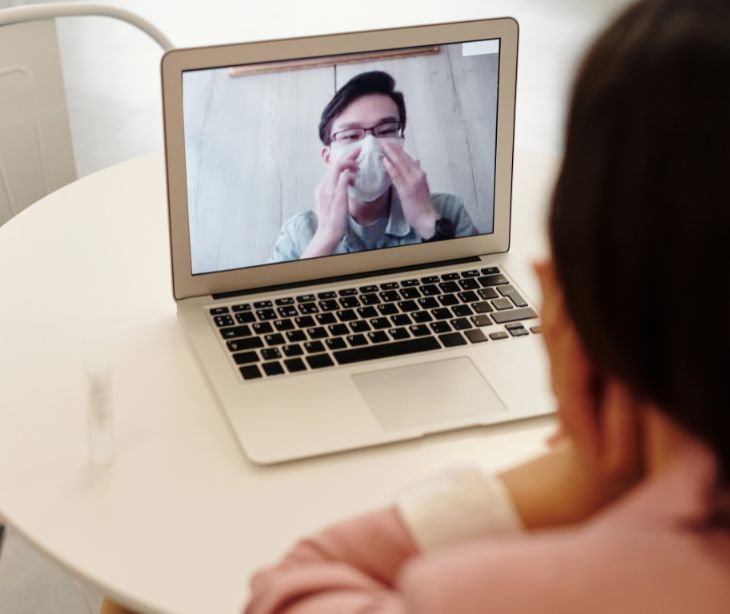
(176, 62)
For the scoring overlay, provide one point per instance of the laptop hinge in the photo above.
(329, 280)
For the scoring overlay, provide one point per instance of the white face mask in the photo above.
(372, 179)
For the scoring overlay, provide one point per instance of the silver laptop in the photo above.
(334, 202)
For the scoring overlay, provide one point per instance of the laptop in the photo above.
(338, 206)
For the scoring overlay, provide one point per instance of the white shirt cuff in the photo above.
(462, 503)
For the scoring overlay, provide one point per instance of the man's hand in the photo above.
(410, 182)
(331, 205)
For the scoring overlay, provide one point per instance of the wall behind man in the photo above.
(254, 157)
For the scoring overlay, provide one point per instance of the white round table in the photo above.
(181, 519)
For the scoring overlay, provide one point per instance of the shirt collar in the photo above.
(397, 224)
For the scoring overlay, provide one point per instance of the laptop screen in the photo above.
(341, 154)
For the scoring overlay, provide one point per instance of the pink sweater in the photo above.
(653, 551)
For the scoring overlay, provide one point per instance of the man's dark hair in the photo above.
(373, 82)
(640, 216)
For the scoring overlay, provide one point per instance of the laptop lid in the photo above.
(245, 154)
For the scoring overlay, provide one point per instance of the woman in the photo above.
(629, 511)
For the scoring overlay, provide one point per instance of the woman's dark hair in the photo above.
(373, 82)
(640, 219)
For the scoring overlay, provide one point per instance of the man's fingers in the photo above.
(400, 159)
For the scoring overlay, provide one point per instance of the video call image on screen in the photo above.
(342, 154)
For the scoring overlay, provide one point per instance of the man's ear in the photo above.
(326, 154)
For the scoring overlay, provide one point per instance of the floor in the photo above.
(112, 82)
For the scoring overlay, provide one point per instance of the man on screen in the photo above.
(373, 194)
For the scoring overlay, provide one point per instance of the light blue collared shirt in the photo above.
(297, 231)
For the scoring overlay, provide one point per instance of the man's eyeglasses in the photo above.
(383, 130)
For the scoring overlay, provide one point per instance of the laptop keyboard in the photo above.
(303, 332)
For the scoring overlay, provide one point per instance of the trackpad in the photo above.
(429, 393)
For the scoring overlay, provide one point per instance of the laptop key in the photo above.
(420, 317)
(428, 302)
(262, 304)
(328, 294)
(335, 343)
(308, 308)
(493, 280)
(325, 318)
(367, 312)
(419, 330)
(402, 319)
(410, 293)
(450, 276)
(368, 289)
(330, 305)
(462, 310)
(250, 372)
(399, 333)
(266, 314)
(468, 296)
(470, 273)
(492, 270)
(431, 279)
(273, 368)
(386, 350)
(359, 326)
(448, 299)
(440, 327)
(369, 299)
(218, 311)
(390, 296)
(270, 353)
(225, 320)
(319, 361)
(249, 343)
(488, 293)
(377, 336)
(481, 320)
(346, 315)
(449, 287)
(482, 307)
(380, 323)
(295, 364)
(498, 335)
(245, 358)
(312, 347)
(294, 336)
(293, 350)
(349, 302)
(317, 332)
(430, 290)
(469, 284)
(287, 300)
(348, 292)
(409, 283)
(288, 311)
(460, 324)
(442, 314)
(387, 309)
(408, 306)
(502, 303)
(356, 340)
(305, 298)
(282, 325)
(262, 328)
(452, 339)
(238, 345)
(245, 317)
(475, 336)
(525, 313)
(390, 285)
(235, 331)
(511, 293)
(274, 339)
(338, 329)
(519, 332)
(241, 307)
(304, 321)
